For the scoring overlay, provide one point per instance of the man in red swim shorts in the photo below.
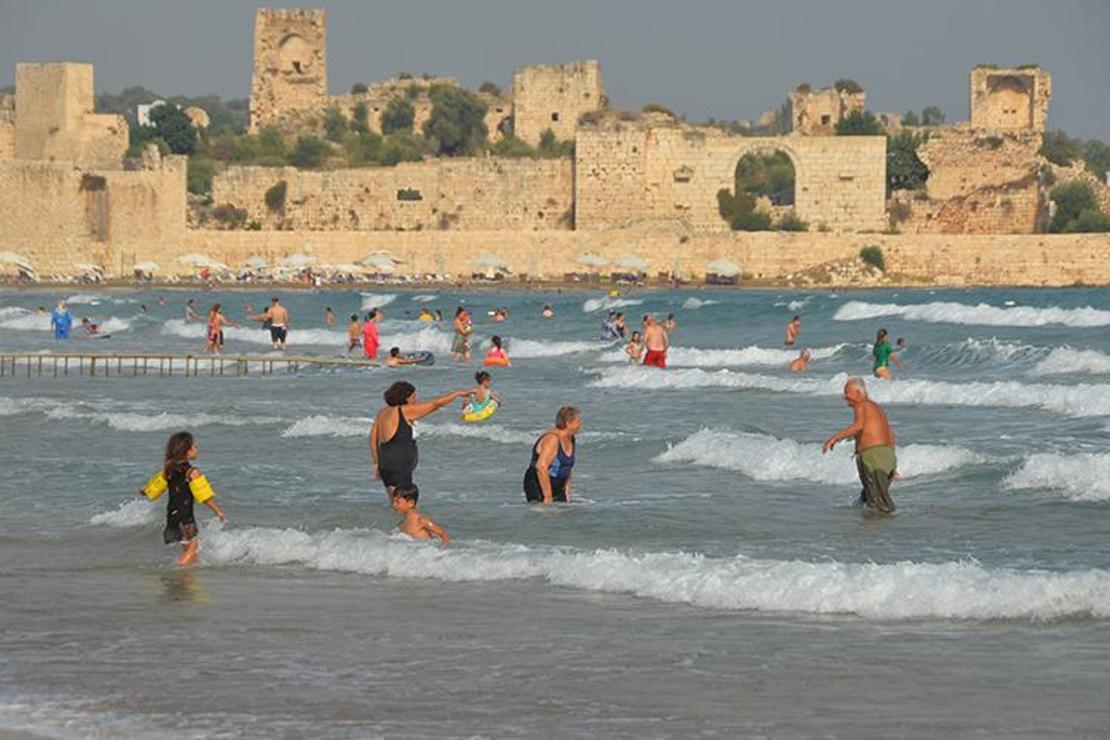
(656, 342)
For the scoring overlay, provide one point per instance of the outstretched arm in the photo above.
(849, 431)
(416, 411)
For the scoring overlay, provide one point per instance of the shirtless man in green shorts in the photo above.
(874, 447)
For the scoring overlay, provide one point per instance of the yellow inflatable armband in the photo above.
(469, 414)
(201, 489)
(156, 486)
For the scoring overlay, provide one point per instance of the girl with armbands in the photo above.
(185, 485)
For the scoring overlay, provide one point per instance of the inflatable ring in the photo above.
(496, 362)
(469, 414)
(421, 358)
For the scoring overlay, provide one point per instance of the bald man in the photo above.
(874, 447)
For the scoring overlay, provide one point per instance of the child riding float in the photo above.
(483, 402)
(497, 356)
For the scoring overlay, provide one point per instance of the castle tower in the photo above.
(290, 65)
(816, 112)
(1012, 99)
(553, 97)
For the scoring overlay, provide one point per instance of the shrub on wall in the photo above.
(658, 108)
(398, 116)
(359, 88)
(402, 147)
(551, 148)
(490, 88)
(511, 146)
(310, 152)
(752, 221)
(360, 119)
(859, 123)
(791, 222)
(198, 175)
(1076, 209)
(275, 196)
(335, 125)
(229, 216)
(457, 123)
(904, 169)
(873, 256)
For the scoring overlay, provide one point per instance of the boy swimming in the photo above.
(185, 485)
(415, 524)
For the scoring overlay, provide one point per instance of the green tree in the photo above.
(658, 108)
(551, 148)
(1059, 148)
(1090, 221)
(909, 118)
(791, 222)
(752, 221)
(174, 127)
(198, 175)
(859, 123)
(932, 115)
(511, 146)
(359, 88)
(457, 123)
(335, 124)
(490, 88)
(873, 255)
(847, 86)
(770, 175)
(360, 120)
(310, 152)
(1097, 156)
(363, 148)
(398, 116)
(1071, 199)
(904, 169)
(401, 147)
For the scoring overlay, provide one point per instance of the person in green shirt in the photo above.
(884, 355)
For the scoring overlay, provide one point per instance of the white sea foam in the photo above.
(1081, 477)
(941, 312)
(377, 300)
(329, 426)
(314, 337)
(24, 320)
(522, 348)
(126, 421)
(767, 458)
(135, 513)
(425, 338)
(488, 431)
(596, 304)
(1071, 400)
(348, 426)
(692, 304)
(1063, 360)
(694, 357)
(424, 298)
(904, 590)
(85, 298)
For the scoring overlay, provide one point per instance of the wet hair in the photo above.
(635, 335)
(900, 340)
(215, 308)
(565, 415)
(371, 314)
(408, 493)
(177, 452)
(495, 340)
(670, 316)
(481, 376)
(857, 382)
(394, 351)
(620, 314)
(459, 311)
(354, 317)
(796, 318)
(275, 299)
(328, 309)
(880, 336)
(398, 393)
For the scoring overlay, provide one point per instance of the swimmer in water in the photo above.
(798, 365)
(89, 326)
(670, 324)
(354, 333)
(216, 321)
(426, 315)
(619, 325)
(396, 358)
(656, 342)
(481, 395)
(548, 477)
(883, 353)
(548, 312)
(329, 317)
(415, 524)
(635, 349)
(793, 329)
(185, 485)
(497, 354)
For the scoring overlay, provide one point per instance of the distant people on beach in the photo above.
(354, 333)
(793, 329)
(91, 327)
(670, 324)
(185, 485)
(191, 311)
(497, 354)
(392, 441)
(548, 477)
(619, 325)
(61, 321)
(396, 359)
(875, 456)
(413, 523)
(548, 312)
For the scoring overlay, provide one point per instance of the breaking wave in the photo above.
(1070, 400)
(533, 348)
(135, 513)
(348, 426)
(424, 298)
(767, 458)
(1081, 477)
(135, 422)
(198, 329)
(23, 320)
(1063, 360)
(377, 300)
(596, 304)
(904, 590)
(693, 304)
(940, 312)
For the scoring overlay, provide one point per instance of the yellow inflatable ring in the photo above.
(481, 415)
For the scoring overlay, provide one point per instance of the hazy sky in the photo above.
(722, 58)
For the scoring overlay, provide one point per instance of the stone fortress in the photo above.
(641, 184)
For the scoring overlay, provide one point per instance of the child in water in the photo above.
(497, 354)
(481, 396)
(635, 349)
(354, 333)
(414, 524)
(185, 484)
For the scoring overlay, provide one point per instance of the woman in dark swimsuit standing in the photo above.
(392, 442)
(548, 476)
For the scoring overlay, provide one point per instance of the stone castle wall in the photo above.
(466, 194)
(7, 126)
(553, 97)
(55, 119)
(290, 78)
(1011, 99)
(1048, 259)
(816, 112)
(629, 171)
(56, 214)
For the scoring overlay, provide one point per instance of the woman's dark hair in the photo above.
(177, 452)
(328, 309)
(880, 336)
(398, 393)
(635, 334)
(481, 376)
(394, 351)
(354, 317)
(495, 341)
(459, 311)
(215, 308)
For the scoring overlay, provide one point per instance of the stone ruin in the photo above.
(554, 97)
(816, 112)
(1010, 99)
(290, 78)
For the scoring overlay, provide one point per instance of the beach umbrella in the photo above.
(591, 260)
(346, 268)
(11, 258)
(86, 267)
(147, 267)
(298, 261)
(195, 259)
(256, 263)
(723, 267)
(380, 259)
(633, 263)
(491, 262)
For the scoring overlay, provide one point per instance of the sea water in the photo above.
(712, 577)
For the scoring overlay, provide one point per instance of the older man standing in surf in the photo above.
(656, 342)
(874, 447)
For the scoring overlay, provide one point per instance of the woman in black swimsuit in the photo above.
(392, 442)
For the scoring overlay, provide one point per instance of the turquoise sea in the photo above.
(712, 578)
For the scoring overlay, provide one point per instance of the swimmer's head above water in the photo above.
(855, 390)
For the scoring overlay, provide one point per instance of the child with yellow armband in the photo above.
(185, 484)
